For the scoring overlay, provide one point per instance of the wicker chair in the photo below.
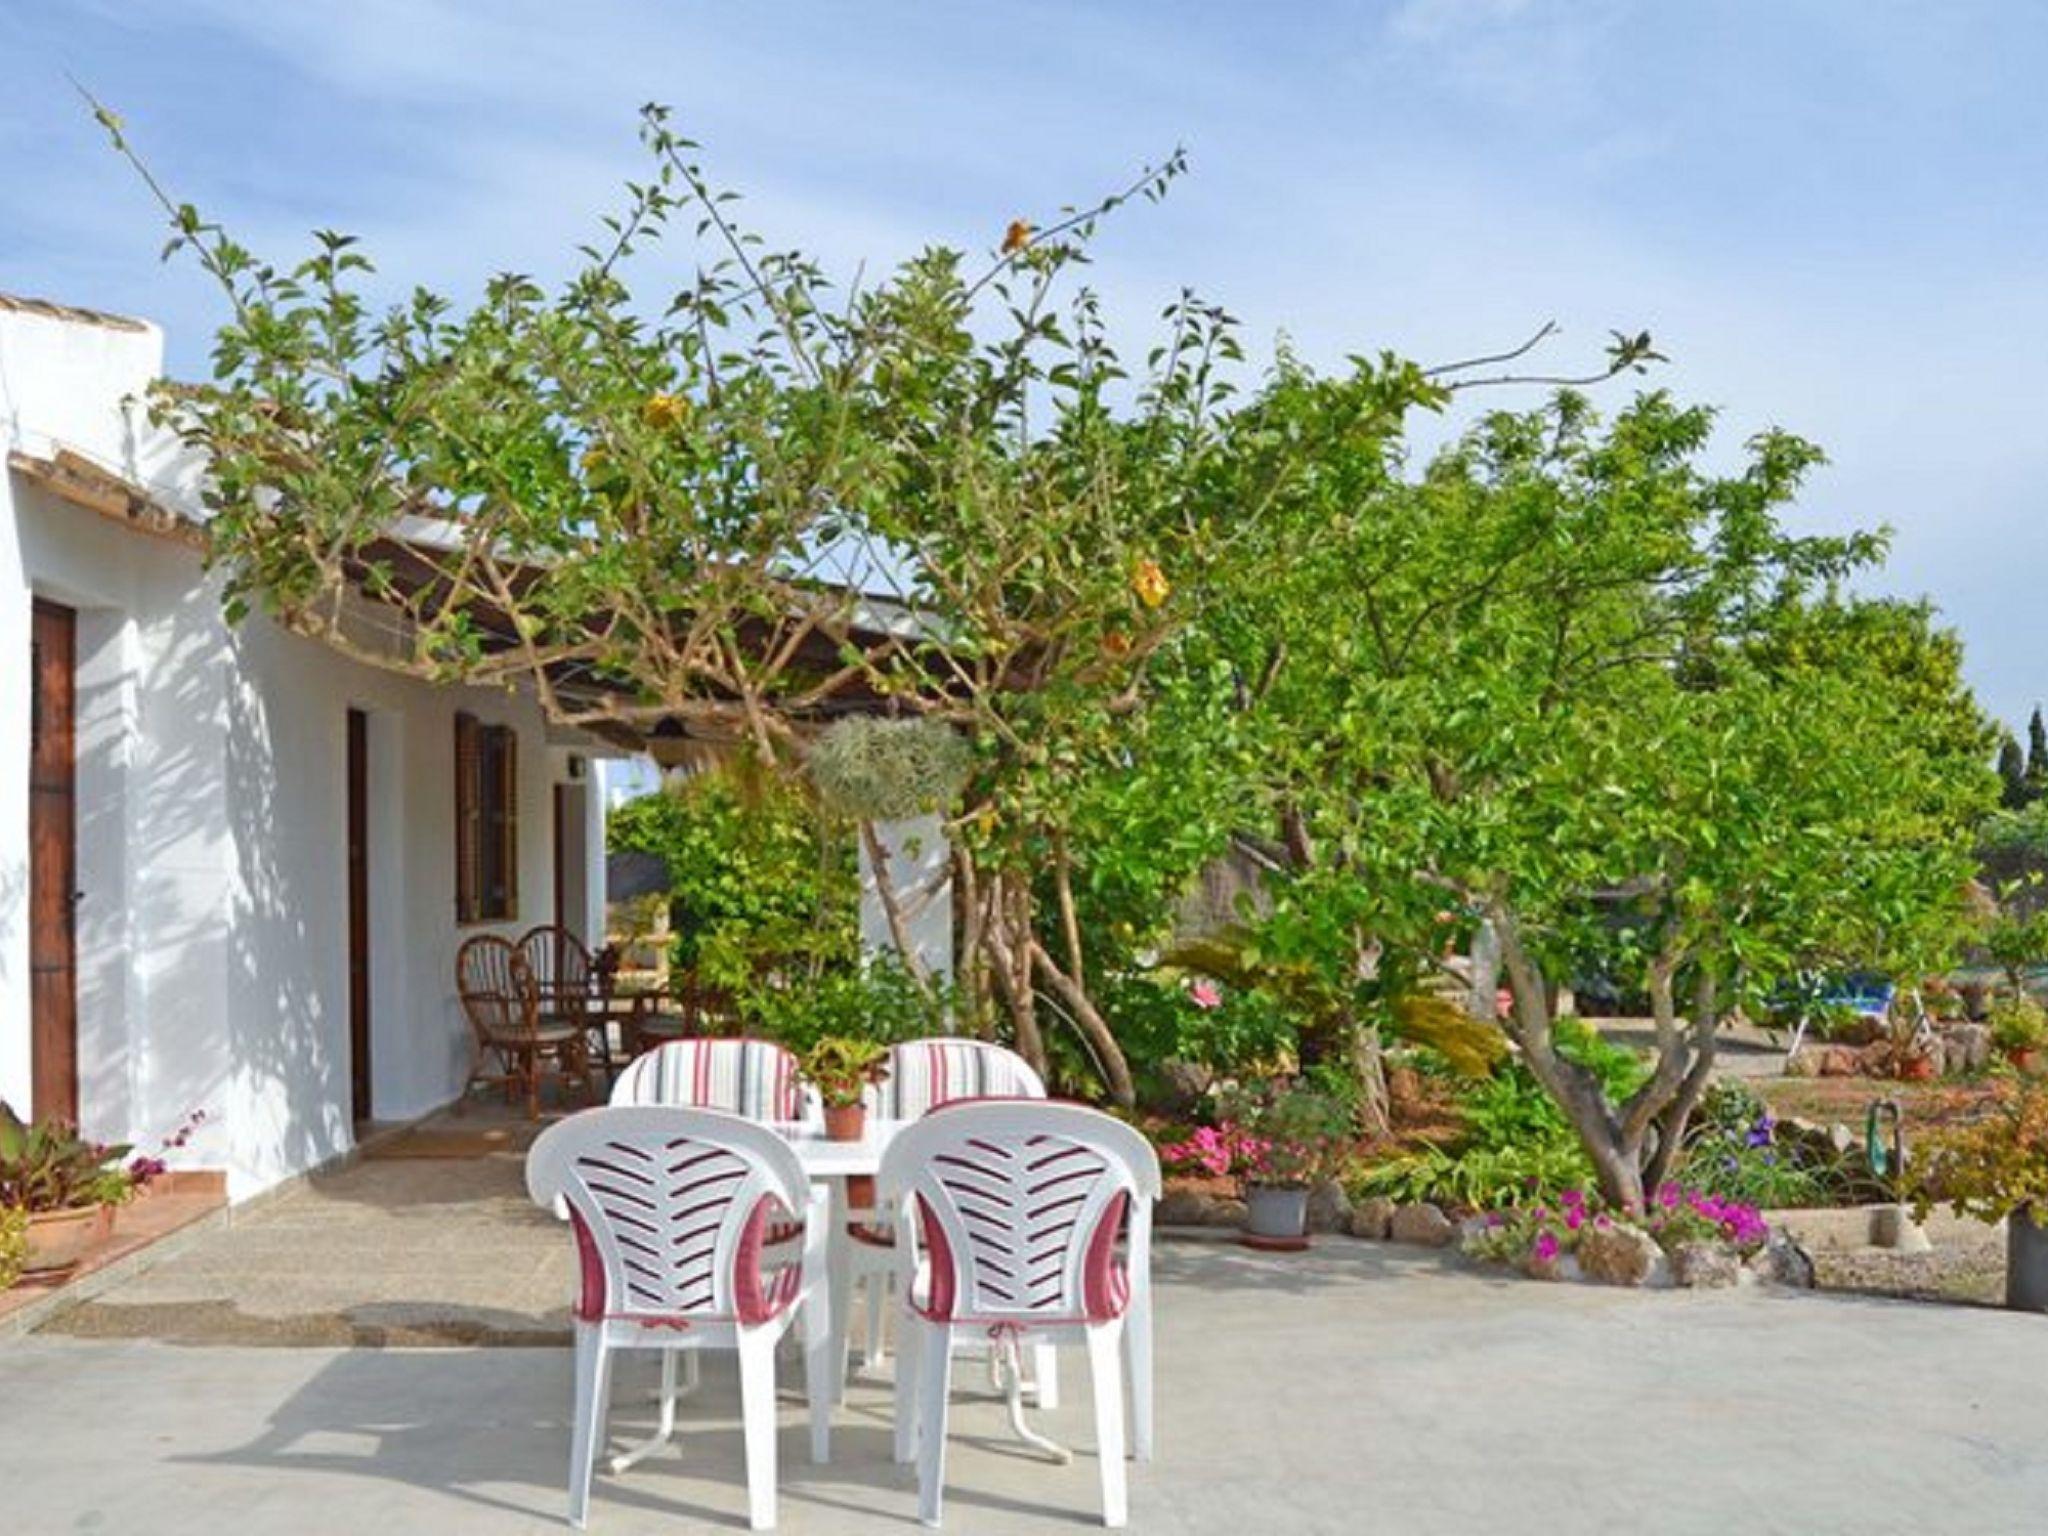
(502, 1004)
(570, 988)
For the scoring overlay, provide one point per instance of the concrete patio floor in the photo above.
(1357, 1388)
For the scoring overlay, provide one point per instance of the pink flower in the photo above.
(1205, 994)
(1546, 1247)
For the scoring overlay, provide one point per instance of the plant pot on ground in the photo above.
(2019, 1030)
(57, 1240)
(2026, 1259)
(1276, 1141)
(1277, 1211)
(65, 1184)
(1996, 1169)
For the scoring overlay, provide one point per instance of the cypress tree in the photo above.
(2037, 756)
(2012, 774)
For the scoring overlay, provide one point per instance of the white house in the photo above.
(228, 856)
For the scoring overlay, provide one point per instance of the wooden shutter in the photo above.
(508, 819)
(468, 819)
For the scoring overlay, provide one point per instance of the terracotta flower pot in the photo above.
(1917, 1069)
(846, 1122)
(57, 1240)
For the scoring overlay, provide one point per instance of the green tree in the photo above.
(743, 507)
(757, 875)
(2037, 755)
(2014, 792)
(1570, 683)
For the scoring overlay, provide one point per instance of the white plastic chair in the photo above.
(670, 1208)
(1010, 1213)
(754, 1079)
(924, 1074)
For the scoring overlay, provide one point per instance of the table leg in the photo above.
(839, 1265)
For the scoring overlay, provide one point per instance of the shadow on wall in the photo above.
(13, 909)
(286, 977)
(151, 946)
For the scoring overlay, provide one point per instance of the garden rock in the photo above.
(1329, 1208)
(1804, 1062)
(1226, 1213)
(1423, 1224)
(1184, 1084)
(1372, 1218)
(1705, 1266)
(1183, 1208)
(1840, 1061)
(1619, 1255)
(1893, 1226)
(1781, 1261)
(1966, 1048)
(1559, 1266)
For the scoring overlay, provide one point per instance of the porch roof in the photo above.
(408, 563)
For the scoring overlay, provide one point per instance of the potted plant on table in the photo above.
(66, 1185)
(1996, 1169)
(841, 1067)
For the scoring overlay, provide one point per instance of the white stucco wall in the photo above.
(211, 834)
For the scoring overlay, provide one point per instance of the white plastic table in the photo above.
(832, 1163)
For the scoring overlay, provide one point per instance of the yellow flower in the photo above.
(595, 460)
(1150, 583)
(663, 412)
(1017, 236)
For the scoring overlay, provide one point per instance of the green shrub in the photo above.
(1517, 1144)
(1733, 1152)
(757, 876)
(876, 1000)
(2018, 1023)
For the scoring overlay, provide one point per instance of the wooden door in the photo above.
(561, 834)
(53, 894)
(359, 913)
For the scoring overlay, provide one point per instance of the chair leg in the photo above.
(909, 1339)
(1045, 1376)
(757, 1416)
(934, 1373)
(1105, 1371)
(1138, 1344)
(818, 1393)
(875, 1347)
(593, 1389)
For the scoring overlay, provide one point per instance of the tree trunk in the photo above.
(1369, 1065)
(1576, 1091)
(1008, 937)
(1482, 1000)
(892, 906)
(1116, 1067)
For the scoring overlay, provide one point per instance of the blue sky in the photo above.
(1834, 217)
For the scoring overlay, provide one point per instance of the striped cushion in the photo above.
(753, 1078)
(924, 1074)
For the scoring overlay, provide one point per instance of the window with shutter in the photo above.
(486, 822)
